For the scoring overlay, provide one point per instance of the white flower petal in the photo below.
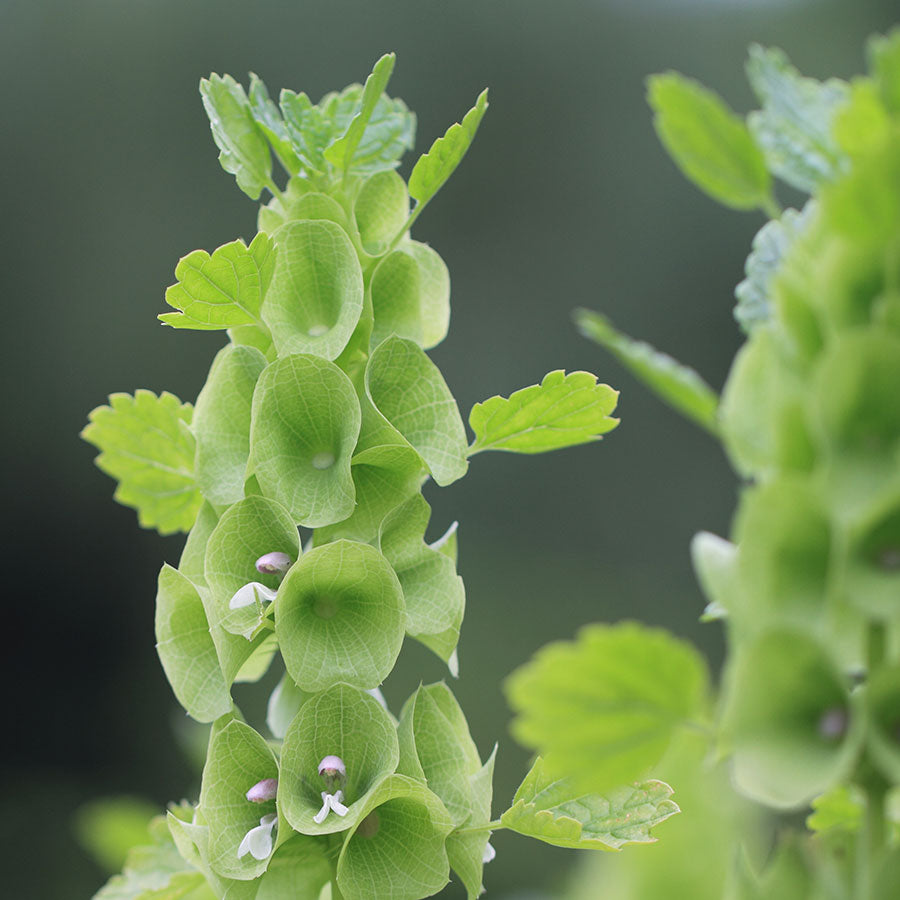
(251, 593)
(258, 841)
(489, 853)
(319, 817)
(453, 664)
(336, 804)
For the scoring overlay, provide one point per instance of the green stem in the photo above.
(474, 829)
(771, 207)
(274, 189)
(407, 225)
(872, 831)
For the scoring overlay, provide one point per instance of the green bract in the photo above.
(808, 589)
(299, 479)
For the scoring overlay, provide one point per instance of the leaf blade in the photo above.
(562, 411)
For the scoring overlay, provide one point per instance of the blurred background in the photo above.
(109, 175)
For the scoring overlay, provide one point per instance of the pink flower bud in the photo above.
(263, 790)
(332, 767)
(273, 563)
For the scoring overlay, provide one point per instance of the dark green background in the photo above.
(109, 175)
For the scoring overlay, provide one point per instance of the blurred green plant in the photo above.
(298, 475)
(808, 589)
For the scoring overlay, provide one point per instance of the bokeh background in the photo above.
(108, 175)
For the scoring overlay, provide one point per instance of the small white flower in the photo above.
(453, 664)
(330, 802)
(376, 693)
(489, 853)
(258, 841)
(251, 593)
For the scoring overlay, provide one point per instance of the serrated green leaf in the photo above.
(708, 142)
(677, 385)
(237, 759)
(304, 428)
(342, 152)
(186, 648)
(604, 708)
(339, 616)
(770, 245)
(840, 809)
(244, 152)
(343, 722)
(268, 118)
(223, 290)
(433, 168)
(316, 296)
(432, 591)
(562, 411)
(246, 531)
(556, 812)
(146, 445)
(411, 397)
(397, 848)
(794, 126)
(154, 871)
(221, 423)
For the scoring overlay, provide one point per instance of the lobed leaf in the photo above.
(794, 126)
(604, 708)
(244, 152)
(708, 142)
(770, 245)
(433, 168)
(677, 385)
(268, 118)
(562, 411)
(556, 812)
(146, 445)
(223, 290)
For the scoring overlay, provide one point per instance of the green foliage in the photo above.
(682, 388)
(324, 413)
(146, 445)
(562, 411)
(794, 126)
(605, 707)
(222, 290)
(556, 812)
(709, 142)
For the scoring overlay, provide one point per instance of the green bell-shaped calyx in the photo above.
(340, 616)
(243, 833)
(789, 720)
(397, 847)
(305, 426)
(316, 295)
(342, 725)
(250, 530)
